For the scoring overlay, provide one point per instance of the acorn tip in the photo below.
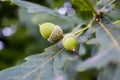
(73, 50)
(39, 25)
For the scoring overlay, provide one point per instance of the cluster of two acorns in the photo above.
(54, 33)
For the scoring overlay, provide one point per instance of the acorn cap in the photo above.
(51, 32)
(70, 42)
(56, 34)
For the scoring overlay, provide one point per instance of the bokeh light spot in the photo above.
(1, 45)
(8, 31)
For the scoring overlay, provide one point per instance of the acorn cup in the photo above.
(51, 32)
(70, 42)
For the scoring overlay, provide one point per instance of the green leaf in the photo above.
(109, 49)
(46, 66)
(110, 72)
(103, 3)
(5, 0)
(117, 4)
(82, 50)
(85, 5)
(37, 14)
(111, 8)
(114, 14)
(115, 10)
(85, 8)
(117, 76)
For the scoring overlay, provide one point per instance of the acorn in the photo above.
(70, 42)
(51, 32)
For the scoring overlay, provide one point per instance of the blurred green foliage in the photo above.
(22, 43)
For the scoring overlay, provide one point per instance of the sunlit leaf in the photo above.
(4, 0)
(85, 8)
(117, 4)
(85, 5)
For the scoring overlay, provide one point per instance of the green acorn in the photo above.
(70, 42)
(51, 32)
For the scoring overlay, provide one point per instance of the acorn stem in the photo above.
(82, 30)
(78, 33)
